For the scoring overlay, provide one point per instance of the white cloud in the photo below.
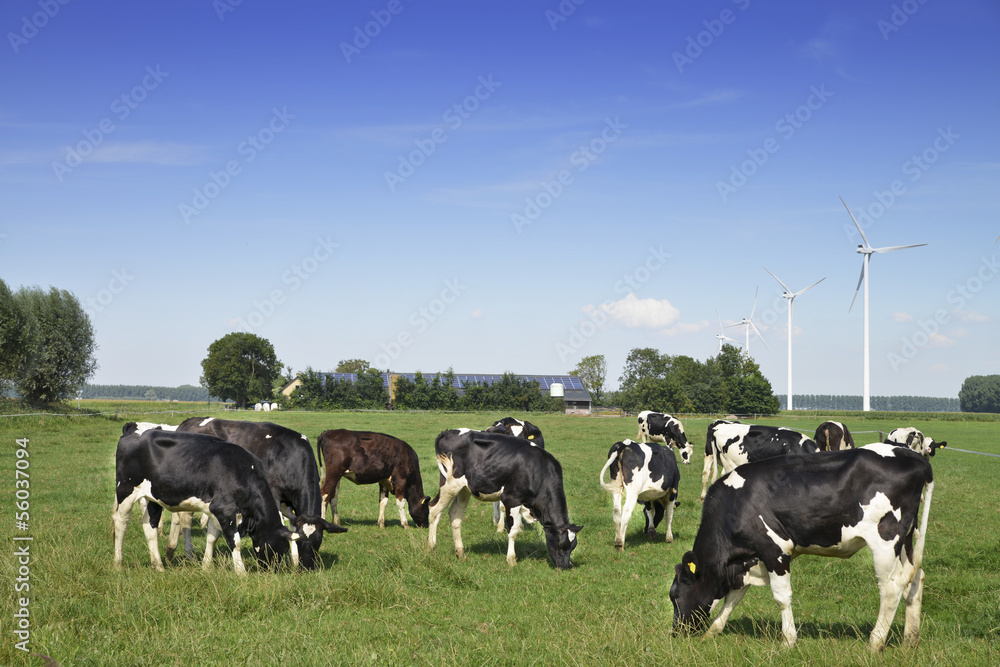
(477, 314)
(939, 340)
(939, 368)
(972, 316)
(635, 313)
(902, 317)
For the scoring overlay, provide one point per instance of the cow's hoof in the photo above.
(651, 534)
(512, 561)
(619, 547)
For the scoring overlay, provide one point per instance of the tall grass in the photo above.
(383, 597)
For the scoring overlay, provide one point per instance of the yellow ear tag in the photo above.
(531, 437)
(691, 567)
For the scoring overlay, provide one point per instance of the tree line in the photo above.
(46, 343)
(980, 393)
(878, 403)
(319, 391)
(185, 392)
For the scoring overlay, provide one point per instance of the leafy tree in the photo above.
(358, 366)
(592, 371)
(61, 351)
(17, 331)
(372, 393)
(240, 366)
(980, 393)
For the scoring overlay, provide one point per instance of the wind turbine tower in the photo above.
(748, 323)
(791, 303)
(866, 251)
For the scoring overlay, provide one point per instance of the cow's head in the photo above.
(561, 541)
(930, 447)
(269, 549)
(311, 529)
(420, 512)
(686, 451)
(696, 588)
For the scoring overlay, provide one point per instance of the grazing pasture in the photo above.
(381, 596)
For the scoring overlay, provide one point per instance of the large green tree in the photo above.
(60, 353)
(358, 366)
(17, 330)
(980, 393)
(240, 367)
(592, 371)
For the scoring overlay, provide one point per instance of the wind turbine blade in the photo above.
(897, 247)
(720, 319)
(754, 303)
(860, 231)
(779, 280)
(810, 287)
(858, 288)
(758, 335)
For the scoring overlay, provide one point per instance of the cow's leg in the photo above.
(708, 471)
(238, 556)
(180, 525)
(152, 532)
(288, 521)
(502, 522)
(401, 505)
(668, 510)
(212, 532)
(455, 513)
(383, 500)
(497, 513)
(631, 497)
(445, 496)
(732, 599)
(781, 590)
(120, 517)
(894, 578)
(329, 494)
(914, 598)
(515, 530)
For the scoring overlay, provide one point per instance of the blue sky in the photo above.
(509, 186)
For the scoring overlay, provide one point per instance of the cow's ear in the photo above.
(287, 534)
(332, 527)
(687, 570)
(575, 528)
(426, 501)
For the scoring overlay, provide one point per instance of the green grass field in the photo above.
(383, 597)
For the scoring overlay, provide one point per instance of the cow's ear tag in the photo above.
(531, 437)
(691, 567)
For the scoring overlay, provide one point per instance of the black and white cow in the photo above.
(520, 429)
(494, 466)
(186, 472)
(642, 472)
(729, 444)
(660, 427)
(832, 436)
(759, 517)
(291, 470)
(913, 439)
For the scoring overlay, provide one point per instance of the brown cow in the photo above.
(369, 458)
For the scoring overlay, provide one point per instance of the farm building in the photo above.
(576, 398)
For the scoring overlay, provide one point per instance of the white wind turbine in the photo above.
(791, 302)
(866, 250)
(748, 323)
(721, 336)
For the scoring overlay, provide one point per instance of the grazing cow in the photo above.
(915, 440)
(728, 445)
(833, 436)
(659, 427)
(645, 472)
(186, 472)
(759, 517)
(494, 466)
(373, 458)
(290, 469)
(520, 429)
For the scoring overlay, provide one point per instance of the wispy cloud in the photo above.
(901, 317)
(150, 152)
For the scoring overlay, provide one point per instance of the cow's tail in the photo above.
(827, 445)
(613, 486)
(319, 450)
(918, 548)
